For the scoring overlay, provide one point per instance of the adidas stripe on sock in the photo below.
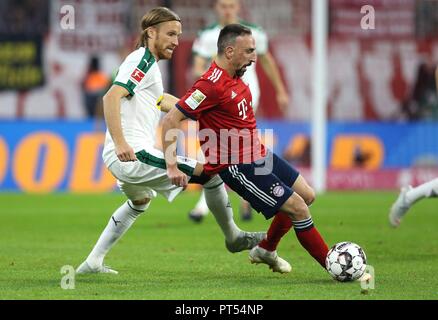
(303, 225)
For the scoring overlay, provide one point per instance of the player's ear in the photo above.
(229, 52)
(151, 32)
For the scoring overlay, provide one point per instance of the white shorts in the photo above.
(147, 176)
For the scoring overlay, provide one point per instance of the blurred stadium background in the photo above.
(381, 133)
(382, 129)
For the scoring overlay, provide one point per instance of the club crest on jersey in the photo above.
(195, 99)
(137, 75)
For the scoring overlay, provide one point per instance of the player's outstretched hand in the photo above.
(177, 177)
(125, 153)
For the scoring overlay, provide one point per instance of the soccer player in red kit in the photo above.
(222, 104)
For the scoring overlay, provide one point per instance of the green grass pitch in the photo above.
(166, 256)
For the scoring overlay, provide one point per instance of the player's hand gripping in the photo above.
(125, 153)
(177, 177)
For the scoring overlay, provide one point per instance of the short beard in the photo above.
(240, 72)
(161, 54)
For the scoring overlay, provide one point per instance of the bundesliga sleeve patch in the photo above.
(137, 75)
(195, 99)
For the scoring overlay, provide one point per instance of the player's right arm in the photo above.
(202, 97)
(171, 122)
(111, 111)
(131, 77)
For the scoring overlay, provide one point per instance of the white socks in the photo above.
(425, 190)
(119, 223)
(201, 207)
(217, 200)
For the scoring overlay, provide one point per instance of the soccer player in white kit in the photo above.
(132, 109)
(204, 50)
(408, 196)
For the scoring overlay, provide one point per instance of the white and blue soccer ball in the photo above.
(346, 261)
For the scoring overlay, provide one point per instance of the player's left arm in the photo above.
(169, 136)
(167, 102)
(271, 69)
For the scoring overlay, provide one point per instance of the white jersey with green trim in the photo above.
(140, 75)
(205, 45)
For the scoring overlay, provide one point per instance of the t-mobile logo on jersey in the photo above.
(243, 107)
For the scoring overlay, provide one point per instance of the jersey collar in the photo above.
(149, 56)
(225, 72)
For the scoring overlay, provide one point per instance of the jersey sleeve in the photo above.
(134, 70)
(200, 98)
(201, 46)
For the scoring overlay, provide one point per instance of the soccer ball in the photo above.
(346, 261)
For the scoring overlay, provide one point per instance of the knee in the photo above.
(141, 202)
(301, 210)
(212, 183)
(309, 197)
(296, 207)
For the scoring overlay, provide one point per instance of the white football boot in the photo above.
(271, 258)
(399, 208)
(85, 268)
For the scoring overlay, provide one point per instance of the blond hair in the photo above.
(152, 18)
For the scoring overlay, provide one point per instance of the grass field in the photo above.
(165, 256)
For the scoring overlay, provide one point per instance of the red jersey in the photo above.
(223, 105)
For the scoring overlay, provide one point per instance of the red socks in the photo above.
(311, 240)
(278, 228)
(307, 234)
